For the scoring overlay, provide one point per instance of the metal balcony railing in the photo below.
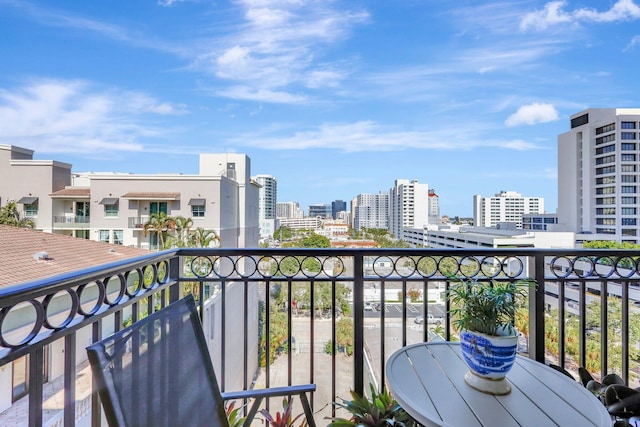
(327, 316)
(65, 221)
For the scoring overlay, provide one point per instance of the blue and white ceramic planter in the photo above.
(489, 359)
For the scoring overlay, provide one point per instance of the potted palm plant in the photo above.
(483, 313)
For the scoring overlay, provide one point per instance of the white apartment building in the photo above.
(598, 173)
(288, 210)
(308, 223)
(408, 206)
(371, 211)
(267, 204)
(113, 207)
(506, 206)
(454, 236)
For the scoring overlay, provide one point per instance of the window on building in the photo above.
(157, 207)
(605, 139)
(606, 149)
(605, 211)
(629, 231)
(627, 135)
(628, 200)
(629, 178)
(606, 230)
(628, 158)
(606, 180)
(111, 210)
(628, 146)
(629, 211)
(606, 170)
(31, 210)
(605, 221)
(197, 211)
(628, 125)
(606, 190)
(608, 128)
(629, 189)
(629, 221)
(104, 236)
(606, 201)
(118, 236)
(605, 159)
(628, 168)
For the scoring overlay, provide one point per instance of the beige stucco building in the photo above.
(113, 207)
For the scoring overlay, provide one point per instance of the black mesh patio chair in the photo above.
(158, 372)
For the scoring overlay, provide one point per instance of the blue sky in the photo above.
(334, 98)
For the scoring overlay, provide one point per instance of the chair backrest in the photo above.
(158, 372)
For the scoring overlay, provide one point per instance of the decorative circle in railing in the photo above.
(311, 266)
(115, 288)
(91, 293)
(202, 266)
(512, 266)
(405, 266)
(625, 267)
(583, 267)
(19, 314)
(133, 280)
(427, 266)
(223, 267)
(605, 266)
(561, 266)
(162, 275)
(267, 266)
(469, 267)
(335, 265)
(288, 266)
(383, 266)
(245, 266)
(62, 302)
(149, 276)
(491, 267)
(448, 266)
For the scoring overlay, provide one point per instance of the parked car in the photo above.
(368, 306)
(431, 320)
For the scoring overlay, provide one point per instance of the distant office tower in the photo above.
(506, 206)
(267, 199)
(434, 207)
(337, 206)
(321, 210)
(371, 211)
(268, 195)
(288, 210)
(408, 206)
(598, 173)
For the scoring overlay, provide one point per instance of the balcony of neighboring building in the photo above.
(71, 208)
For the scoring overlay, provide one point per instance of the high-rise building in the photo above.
(506, 206)
(408, 206)
(267, 202)
(288, 210)
(598, 173)
(371, 211)
(434, 207)
(321, 210)
(337, 206)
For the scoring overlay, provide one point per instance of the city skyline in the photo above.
(334, 99)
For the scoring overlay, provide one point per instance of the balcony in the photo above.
(72, 222)
(137, 221)
(294, 302)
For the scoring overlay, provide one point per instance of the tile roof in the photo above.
(18, 247)
(151, 195)
(72, 192)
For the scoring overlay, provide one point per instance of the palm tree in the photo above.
(182, 231)
(160, 223)
(201, 238)
(9, 215)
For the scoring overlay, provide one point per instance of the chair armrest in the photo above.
(259, 394)
(269, 392)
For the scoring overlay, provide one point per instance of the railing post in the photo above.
(358, 323)
(536, 309)
(70, 380)
(174, 274)
(36, 360)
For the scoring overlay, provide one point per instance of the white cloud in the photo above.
(532, 114)
(279, 45)
(72, 116)
(249, 93)
(553, 14)
(371, 136)
(633, 43)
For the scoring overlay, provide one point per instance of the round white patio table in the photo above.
(427, 380)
